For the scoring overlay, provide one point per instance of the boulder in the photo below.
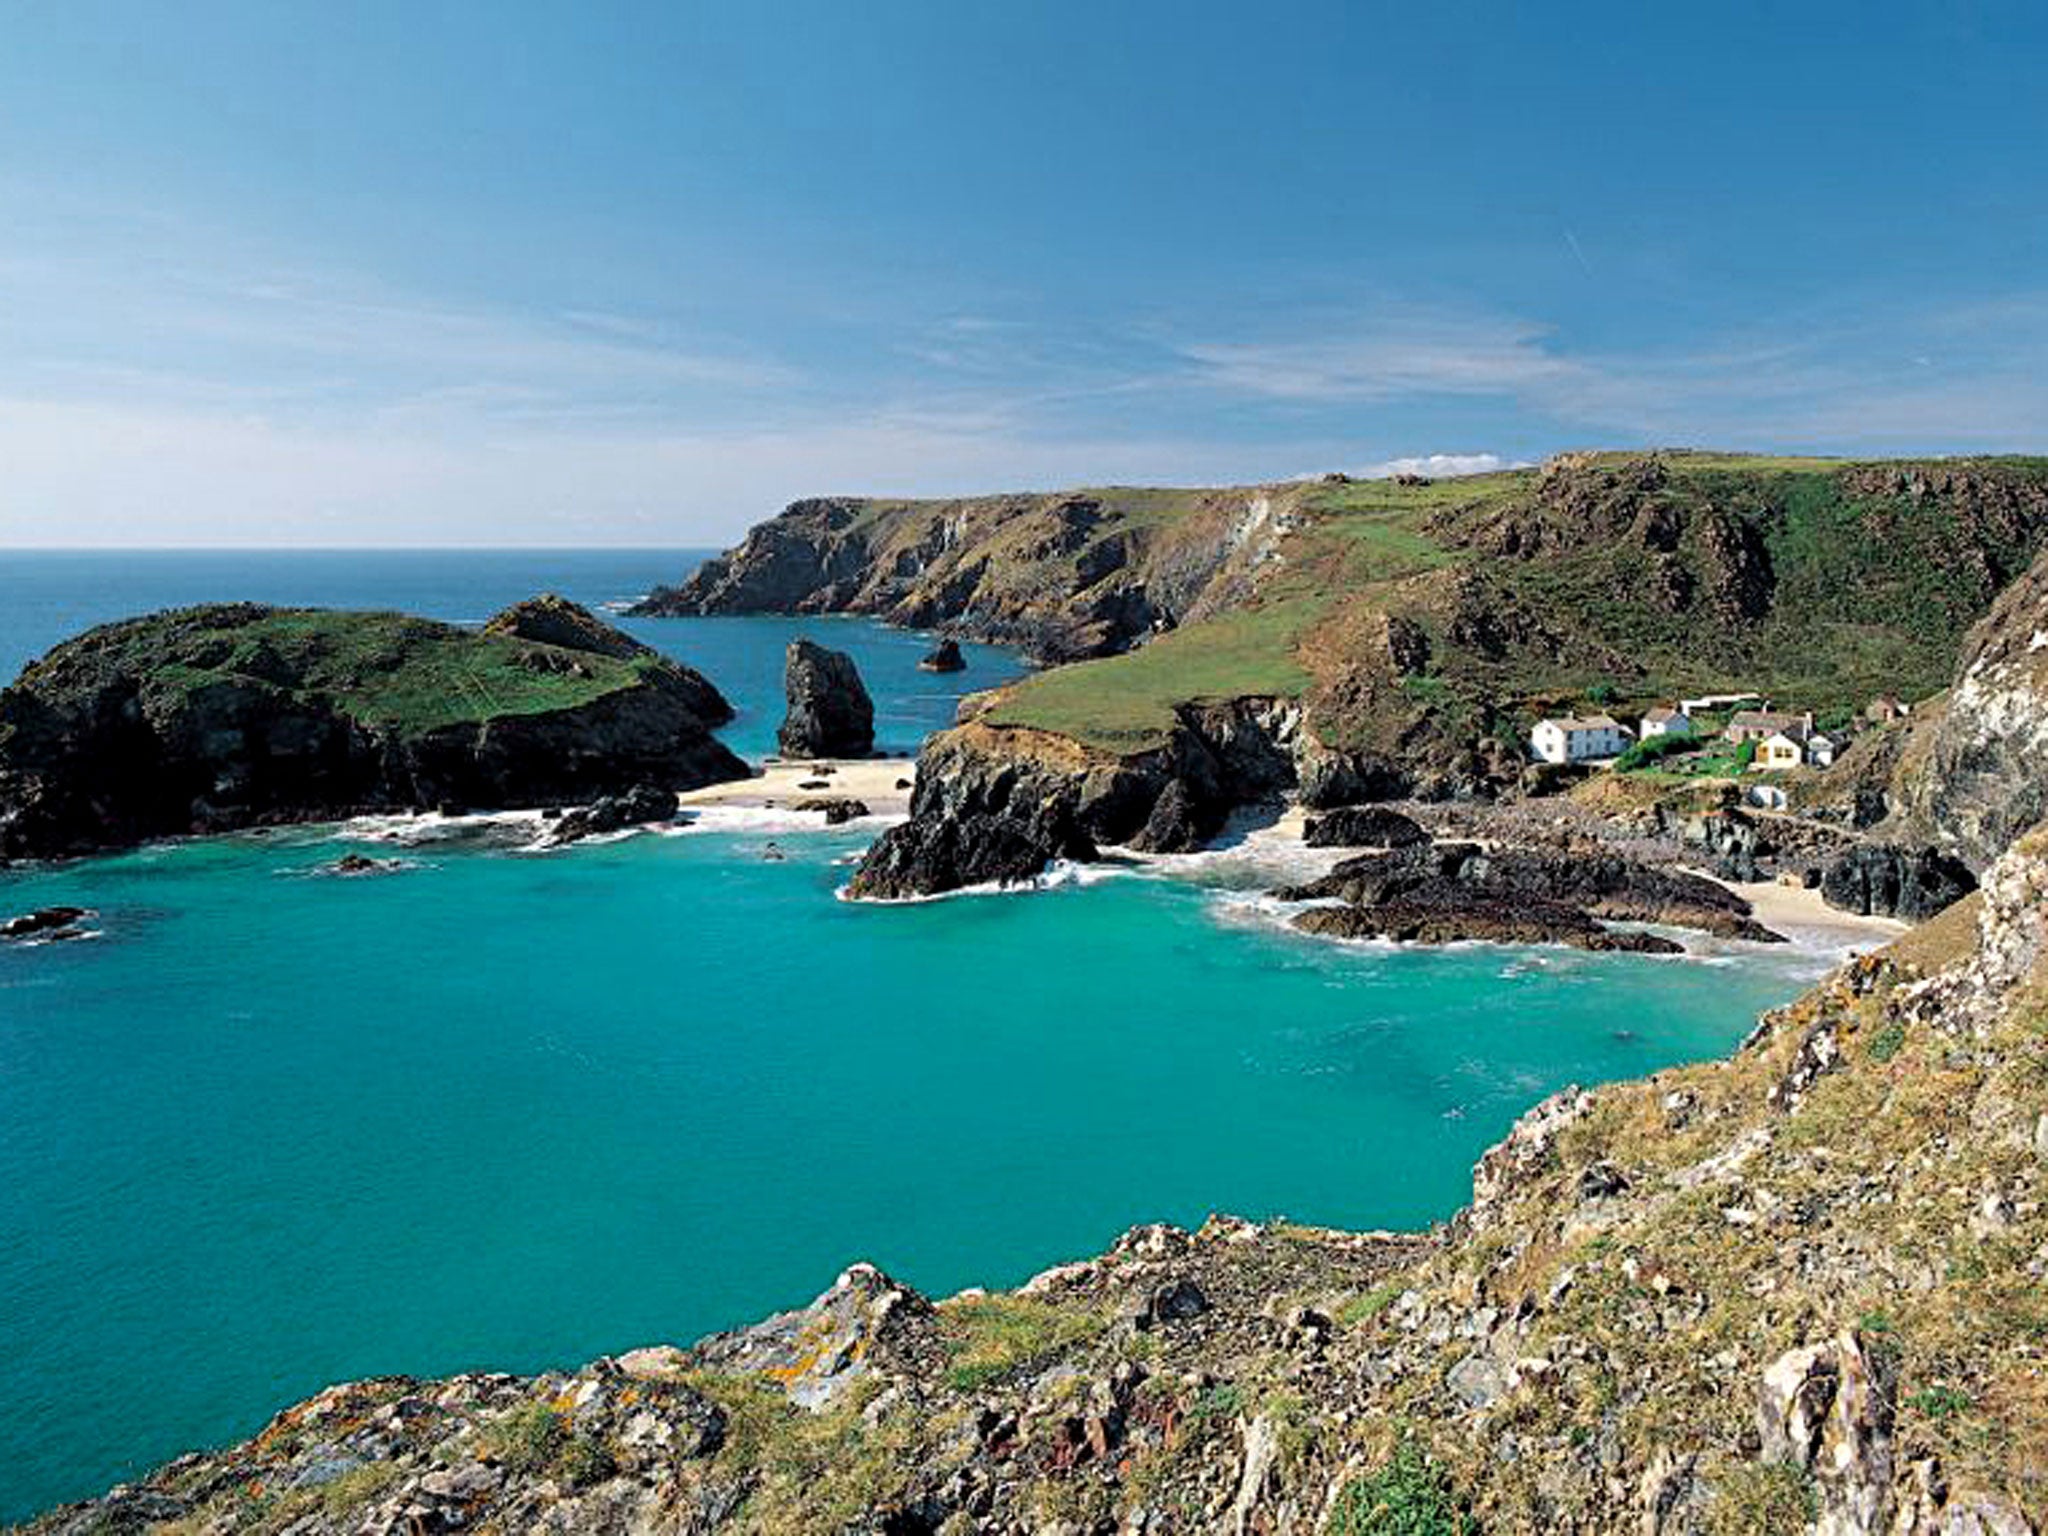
(944, 657)
(614, 813)
(1883, 880)
(818, 1355)
(838, 809)
(1363, 826)
(830, 713)
(1827, 1409)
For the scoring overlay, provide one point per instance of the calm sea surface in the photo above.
(277, 1129)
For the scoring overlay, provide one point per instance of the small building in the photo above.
(1760, 724)
(1666, 722)
(1884, 707)
(1707, 701)
(1766, 797)
(1779, 750)
(1578, 738)
(1821, 750)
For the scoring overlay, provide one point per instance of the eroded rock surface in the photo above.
(830, 713)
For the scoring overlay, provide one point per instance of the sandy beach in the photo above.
(881, 782)
(1803, 917)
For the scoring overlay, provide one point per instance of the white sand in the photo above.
(1803, 917)
(778, 784)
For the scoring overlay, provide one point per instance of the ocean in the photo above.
(276, 1129)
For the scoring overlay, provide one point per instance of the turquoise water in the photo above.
(276, 1129)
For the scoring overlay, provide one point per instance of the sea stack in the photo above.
(944, 657)
(830, 713)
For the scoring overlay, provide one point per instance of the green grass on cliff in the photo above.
(1532, 587)
(1126, 703)
(388, 670)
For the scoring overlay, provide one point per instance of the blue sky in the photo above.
(551, 274)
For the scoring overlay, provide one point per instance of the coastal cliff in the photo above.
(1799, 1290)
(236, 715)
(1410, 634)
(1063, 576)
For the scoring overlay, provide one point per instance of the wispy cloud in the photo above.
(1389, 357)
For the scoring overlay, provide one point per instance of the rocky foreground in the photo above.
(235, 715)
(1805, 1289)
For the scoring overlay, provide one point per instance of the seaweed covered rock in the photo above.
(235, 715)
(830, 713)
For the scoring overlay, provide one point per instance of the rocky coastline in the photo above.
(232, 716)
(1755, 1294)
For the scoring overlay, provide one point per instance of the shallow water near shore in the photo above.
(277, 1127)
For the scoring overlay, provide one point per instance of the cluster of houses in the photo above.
(1782, 740)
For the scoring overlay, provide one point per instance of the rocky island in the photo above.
(237, 715)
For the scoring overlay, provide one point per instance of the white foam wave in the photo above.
(1061, 874)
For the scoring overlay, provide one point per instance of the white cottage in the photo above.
(1578, 738)
(1666, 722)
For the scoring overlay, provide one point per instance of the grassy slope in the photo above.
(1870, 597)
(387, 669)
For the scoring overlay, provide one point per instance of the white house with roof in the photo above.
(1666, 722)
(1578, 738)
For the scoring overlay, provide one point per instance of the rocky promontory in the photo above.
(236, 715)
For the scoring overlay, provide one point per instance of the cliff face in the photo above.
(1801, 1290)
(208, 719)
(1978, 777)
(1064, 576)
(1000, 806)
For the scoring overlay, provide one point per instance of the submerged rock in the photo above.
(45, 923)
(830, 713)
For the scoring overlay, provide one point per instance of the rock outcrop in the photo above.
(943, 657)
(1441, 891)
(830, 713)
(1981, 776)
(1363, 826)
(999, 806)
(639, 806)
(235, 715)
(1879, 880)
(553, 620)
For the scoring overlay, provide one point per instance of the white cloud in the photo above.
(1442, 465)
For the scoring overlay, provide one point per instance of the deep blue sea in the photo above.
(277, 1129)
